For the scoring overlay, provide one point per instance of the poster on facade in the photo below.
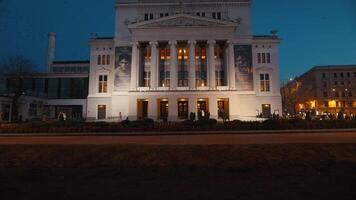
(243, 67)
(122, 68)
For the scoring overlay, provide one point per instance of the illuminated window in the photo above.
(183, 65)
(201, 65)
(103, 84)
(103, 59)
(264, 82)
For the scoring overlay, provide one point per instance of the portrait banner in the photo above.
(243, 67)
(123, 57)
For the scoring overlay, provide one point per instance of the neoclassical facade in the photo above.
(180, 57)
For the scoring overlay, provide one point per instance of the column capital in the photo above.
(230, 42)
(172, 42)
(193, 42)
(134, 44)
(153, 43)
(211, 42)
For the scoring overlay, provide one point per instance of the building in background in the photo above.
(177, 57)
(63, 88)
(323, 89)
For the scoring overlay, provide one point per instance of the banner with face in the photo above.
(123, 57)
(243, 66)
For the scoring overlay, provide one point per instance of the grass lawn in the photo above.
(178, 172)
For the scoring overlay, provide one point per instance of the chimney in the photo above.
(51, 50)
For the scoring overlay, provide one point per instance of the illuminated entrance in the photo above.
(142, 108)
(223, 108)
(163, 108)
(101, 111)
(183, 109)
(266, 110)
(202, 108)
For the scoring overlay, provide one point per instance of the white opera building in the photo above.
(173, 58)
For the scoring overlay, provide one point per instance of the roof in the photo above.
(104, 38)
(263, 37)
(333, 67)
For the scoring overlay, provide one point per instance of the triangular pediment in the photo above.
(182, 20)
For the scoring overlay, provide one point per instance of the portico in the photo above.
(184, 60)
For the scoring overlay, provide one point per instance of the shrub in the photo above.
(206, 122)
(187, 123)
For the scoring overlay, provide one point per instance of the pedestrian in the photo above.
(120, 117)
(60, 117)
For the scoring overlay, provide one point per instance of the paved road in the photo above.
(307, 138)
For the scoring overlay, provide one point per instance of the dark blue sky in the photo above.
(314, 32)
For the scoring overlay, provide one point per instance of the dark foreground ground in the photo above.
(286, 171)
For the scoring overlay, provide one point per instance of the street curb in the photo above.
(182, 133)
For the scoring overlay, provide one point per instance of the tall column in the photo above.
(192, 77)
(174, 64)
(154, 65)
(231, 67)
(211, 64)
(134, 66)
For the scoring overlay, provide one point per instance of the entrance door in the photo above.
(163, 109)
(266, 110)
(101, 111)
(142, 109)
(202, 109)
(183, 109)
(223, 108)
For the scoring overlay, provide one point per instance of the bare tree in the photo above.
(16, 68)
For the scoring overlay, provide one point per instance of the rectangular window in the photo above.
(108, 59)
(324, 84)
(103, 84)
(335, 75)
(161, 15)
(219, 15)
(263, 58)
(203, 14)
(99, 59)
(268, 58)
(324, 75)
(264, 83)
(259, 57)
(214, 15)
(151, 15)
(146, 16)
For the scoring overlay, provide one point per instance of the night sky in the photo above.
(314, 32)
